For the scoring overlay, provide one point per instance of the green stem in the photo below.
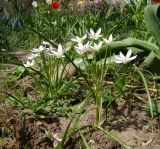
(147, 90)
(47, 71)
(98, 104)
(84, 139)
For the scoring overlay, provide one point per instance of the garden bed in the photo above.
(82, 74)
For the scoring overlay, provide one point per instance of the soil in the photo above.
(137, 130)
(23, 129)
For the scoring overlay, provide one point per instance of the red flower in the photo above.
(55, 5)
(156, 1)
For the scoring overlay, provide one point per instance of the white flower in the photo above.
(33, 55)
(45, 43)
(29, 63)
(109, 40)
(40, 49)
(59, 53)
(49, 1)
(94, 35)
(97, 46)
(78, 39)
(83, 48)
(124, 59)
(34, 4)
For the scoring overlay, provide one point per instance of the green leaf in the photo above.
(80, 63)
(121, 83)
(150, 101)
(16, 73)
(156, 108)
(151, 63)
(152, 14)
(149, 59)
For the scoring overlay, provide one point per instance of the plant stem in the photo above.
(147, 90)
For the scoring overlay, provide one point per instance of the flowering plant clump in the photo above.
(46, 48)
(55, 5)
(94, 42)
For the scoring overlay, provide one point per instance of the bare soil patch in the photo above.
(137, 129)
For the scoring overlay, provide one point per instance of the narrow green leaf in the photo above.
(121, 82)
(152, 15)
(150, 101)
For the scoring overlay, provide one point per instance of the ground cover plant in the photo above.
(90, 78)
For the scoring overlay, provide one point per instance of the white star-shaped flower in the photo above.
(78, 39)
(97, 46)
(38, 50)
(124, 59)
(29, 63)
(83, 48)
(33, 55)
(45, 43)
(59, 53)
(94, 35)
(109, 40)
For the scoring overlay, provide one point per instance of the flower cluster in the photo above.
(90, 42)
(48, 49)
(14, 22)
(95, 43)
